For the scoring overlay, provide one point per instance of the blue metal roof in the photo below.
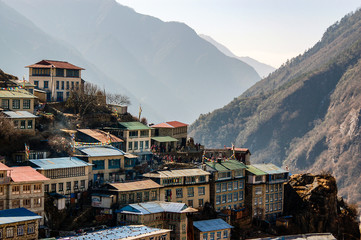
(153, 207)
(56, 163)
(17, 215)
(118, 233)
(211, 225)
(101, 151)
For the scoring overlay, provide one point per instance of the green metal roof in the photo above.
(217, 166)
(233, 165)
(252, 169)
(21, 93)
(165, 139)
(134, 125)
(270, 168)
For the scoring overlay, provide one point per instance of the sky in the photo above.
(270, 31)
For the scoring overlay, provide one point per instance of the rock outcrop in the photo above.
(312, 201)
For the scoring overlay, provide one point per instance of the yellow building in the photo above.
(158, 214)
(57, 78)
(17, 100)
(22, 120)
(189, 186)
(212, 229)
(66, 175)
(19, 223)
(227, 184)
(107, 163)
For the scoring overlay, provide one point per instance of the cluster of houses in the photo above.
(159, 201)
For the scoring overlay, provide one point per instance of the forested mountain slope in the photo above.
(305, 115)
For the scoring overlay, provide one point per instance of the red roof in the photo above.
(172, 124)
(100, 135)
(54, 64)
(4, 167)
(26, 174)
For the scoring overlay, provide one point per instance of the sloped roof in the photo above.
(100, 135)
(226, 165)
(58, 163)
(134, 186)
(26, 174)
(17, 215)
(211, 225)
(165, 139)
(177, 173)
(172, 124)
(252, 169)
(134, 125)
(270, 168)
(153, 207)
(19, 93)
(19, 114)
(101, 151)
(4, 167)
(54, 64)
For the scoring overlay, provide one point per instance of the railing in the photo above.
(4, 180)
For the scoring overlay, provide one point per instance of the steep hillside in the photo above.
(305, 115)
(262, 69)
(166, 64)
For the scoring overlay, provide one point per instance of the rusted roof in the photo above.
(26, 174)
(134, 186)
(172, 124)
(100, 135)
(54, 64)
(4, 167)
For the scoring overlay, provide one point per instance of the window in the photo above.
(229, 198)
(41, 72)
(258, 190)
(202, 179)
(205, 236)
(59, 72)
(276, 197)
(200, 202)
(16, 124)
(271, 187)
(190, 203)
(133, 134)
(16, 104)
(260, 200)
(123, 198)
(238, 173)
(225, 234)
(130, 145)
(267, 207)
(26, 188)
(218, 187)
(241, 196)
(22, 124)
(235, 197)
(61, 187)
(26, 203)
(98, 165)
(179, 192)
(258, 178)
(46, 84)
(30, 124)
(72, 73)
(230, 186)
(31, 228)
(144, 133)
(224, 187)
(267, 188)
(211, 236)
(77, 85)
(146, 196)
(241, 184)
(68, 186)
(57, 84)
(5, 103)
(219, 235)
(76, 184)
(224, 198)
(26, 103)
(235, 185)
(15, 203)
(20, 229)
(10, 232)
(36, 83)
(190, 192)
(201, 190)
(72, 85)
(280, 196)
(146, 144)
(141, 145)
(154, 195)
(67, 85)
(82, 183)
(62, 85)
(53, 187)
(135, 145)
(1, 190)
(271, 198)
(59, 96)
(267, 198)
(15, 190)
(279, 206)
(114, 163)
(218, 199)
(46, 187)
(131, 198)
(139, 197)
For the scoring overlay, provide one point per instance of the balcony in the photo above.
(4, 180)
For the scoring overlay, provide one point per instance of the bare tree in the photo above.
(118, 99)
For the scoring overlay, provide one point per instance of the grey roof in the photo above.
(125, 232)
(308, 236)
(153, 207)
(56, 163)
(211, 225)
(177, 173)
(19, 114)
(101, 151)
(269, 168)
(17, 215)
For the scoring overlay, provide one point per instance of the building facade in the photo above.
(57, 78)
(212, 229)
(174, 129)
(190, 186)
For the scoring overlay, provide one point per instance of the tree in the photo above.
(117, 99)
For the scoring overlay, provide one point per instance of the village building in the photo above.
(68, 176)
(22, 120)
(136, 232)
(158, 214)
(189, 186)
(107, 163)
(98, 136)
(212, 229)
(241, 154)
(174, 129)
(57, 78)
(19, 223)
(227, 184)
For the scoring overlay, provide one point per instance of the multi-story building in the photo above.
(22, 120)
(212, 229)
(19, 223)
(241, 154)
(227, 188)
(57, 78)
(98, 136)
(265, 191)
(17, 100)
(158, 214)
(173, 129)
(107, 163)
(189, 186)
(274, 189)
(66, 175)
(139, 232)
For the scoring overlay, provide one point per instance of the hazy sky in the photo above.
(270, 31)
